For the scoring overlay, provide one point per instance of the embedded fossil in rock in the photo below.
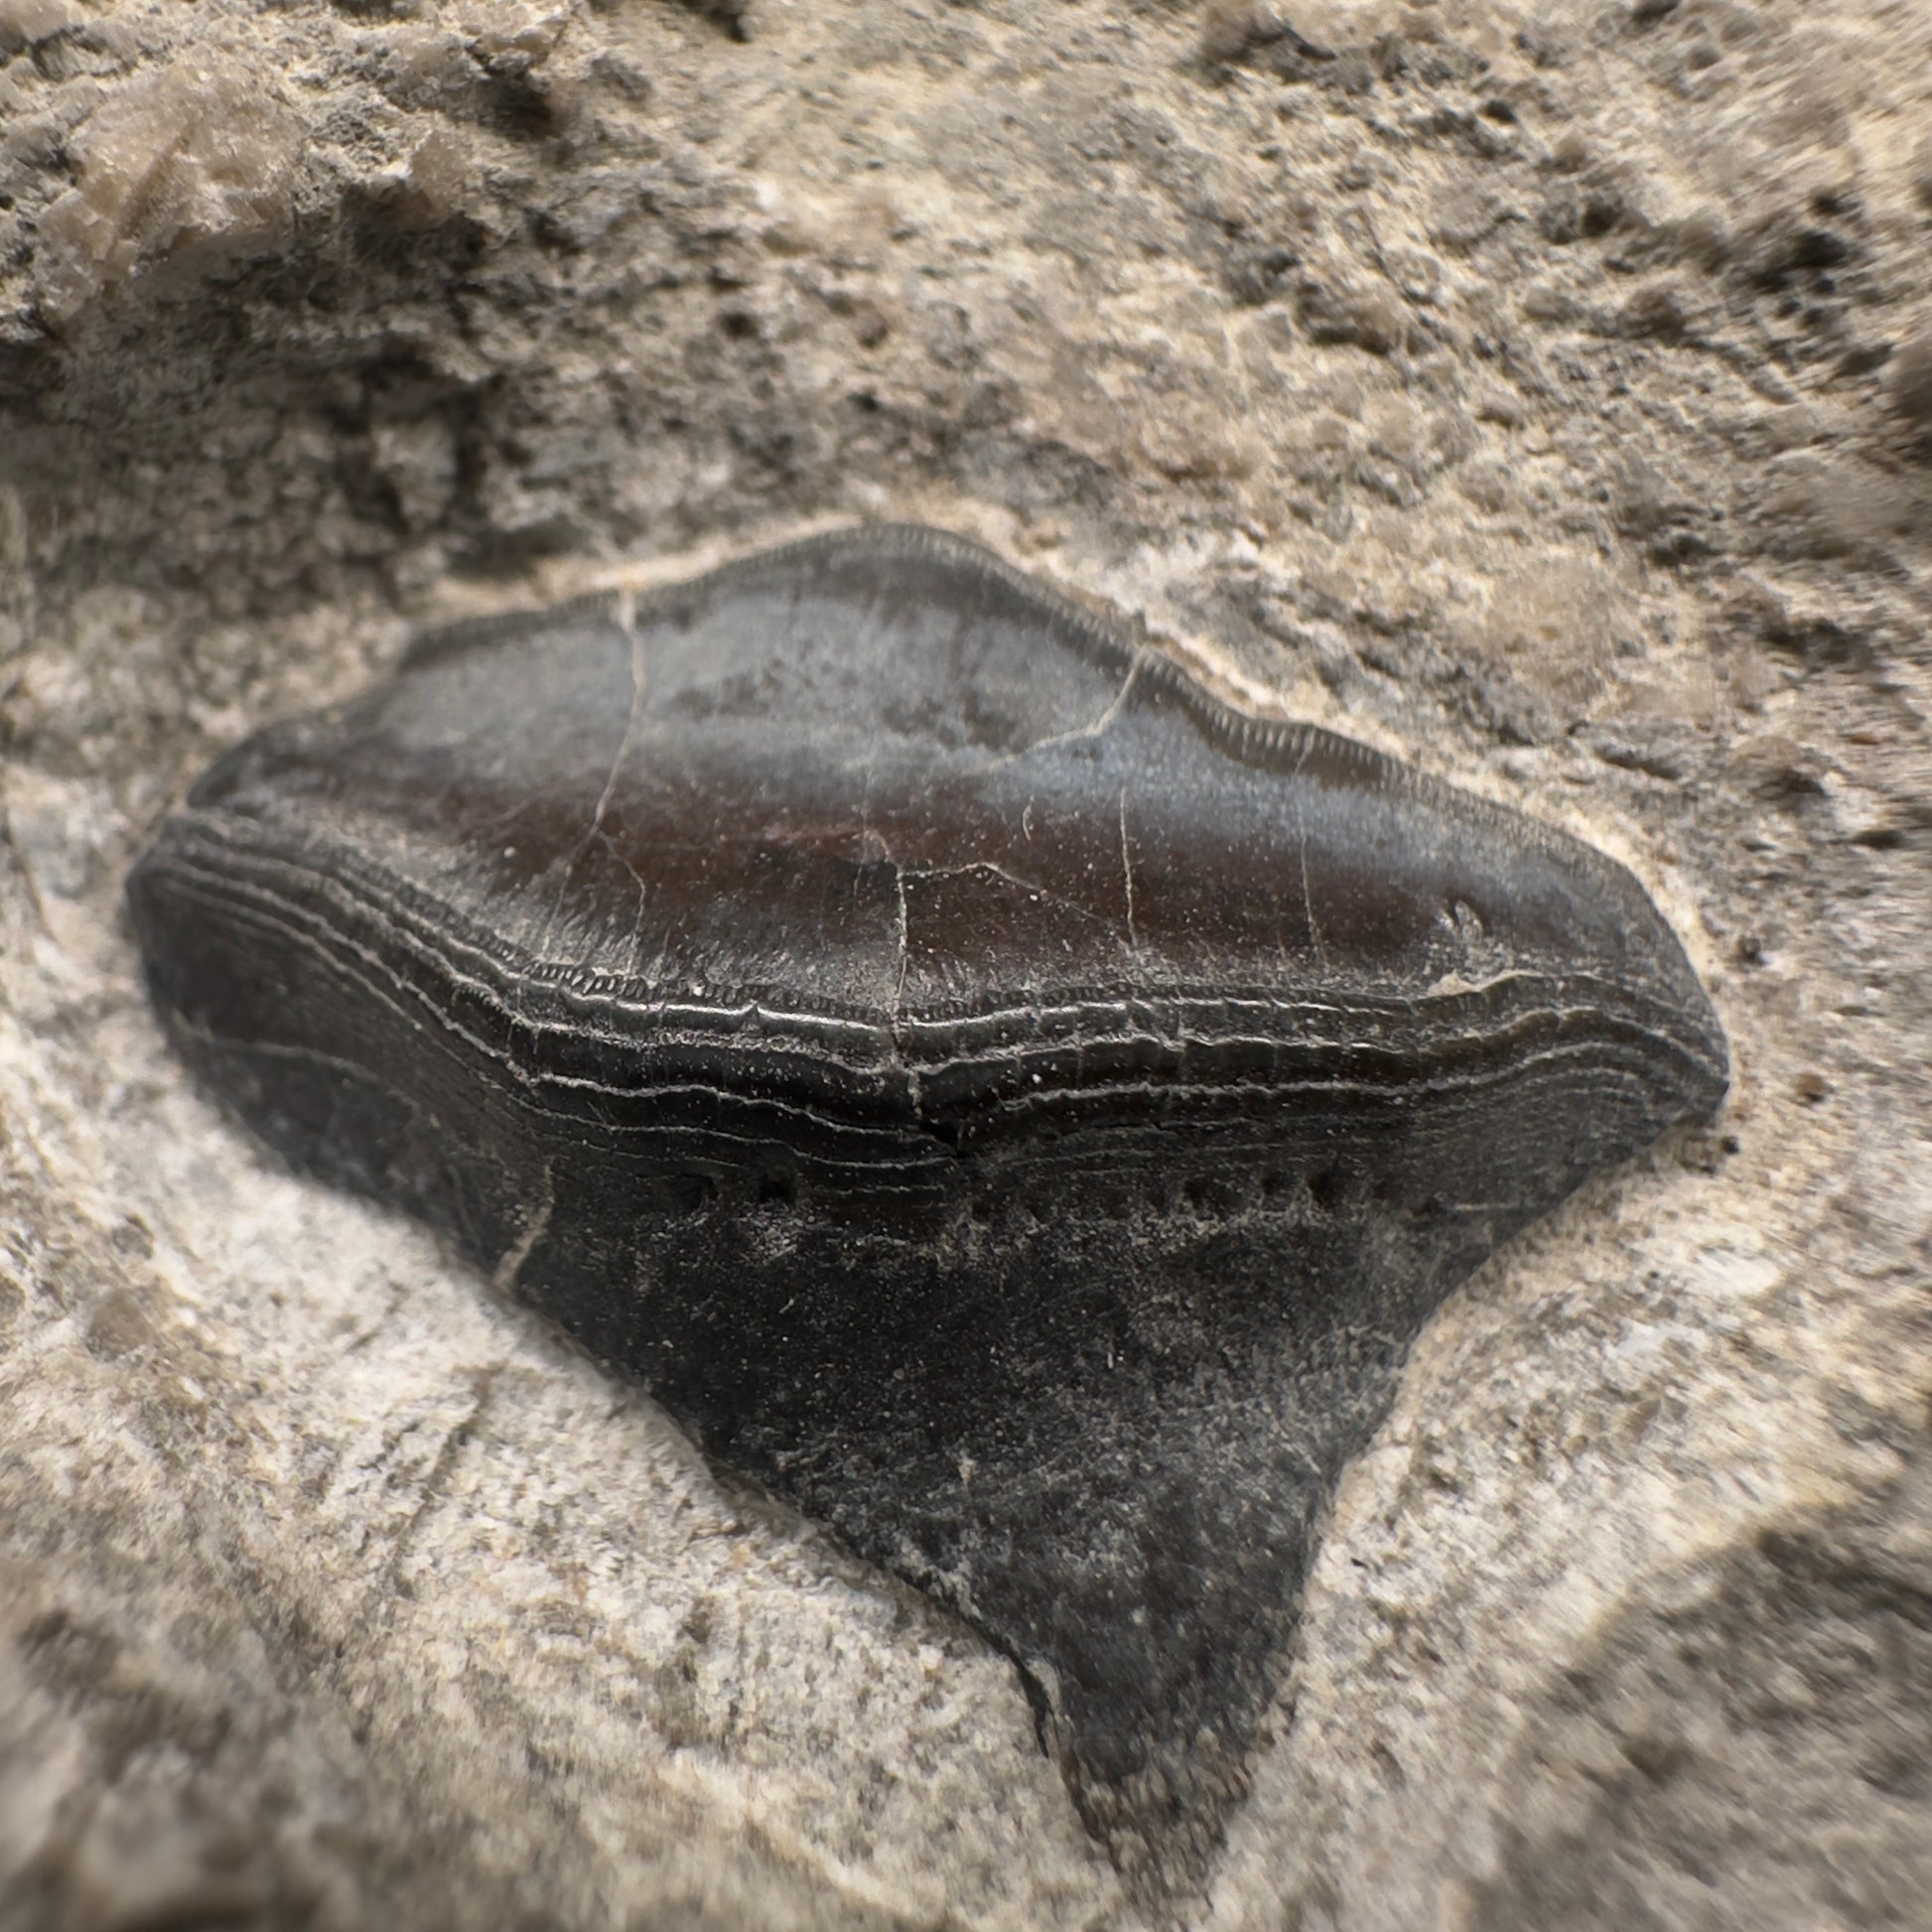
(1013, 1106)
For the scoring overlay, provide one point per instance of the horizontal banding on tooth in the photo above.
(915, 1031)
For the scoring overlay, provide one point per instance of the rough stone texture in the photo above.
(1540, 391)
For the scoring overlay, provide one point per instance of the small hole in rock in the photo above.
(1209, 1195)
(691, 1194)
(1327, 1186)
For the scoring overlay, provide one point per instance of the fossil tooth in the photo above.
(1007, 1102)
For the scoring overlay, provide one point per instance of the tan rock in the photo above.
(1509, 389)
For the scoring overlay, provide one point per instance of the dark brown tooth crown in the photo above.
(1012, 1105)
